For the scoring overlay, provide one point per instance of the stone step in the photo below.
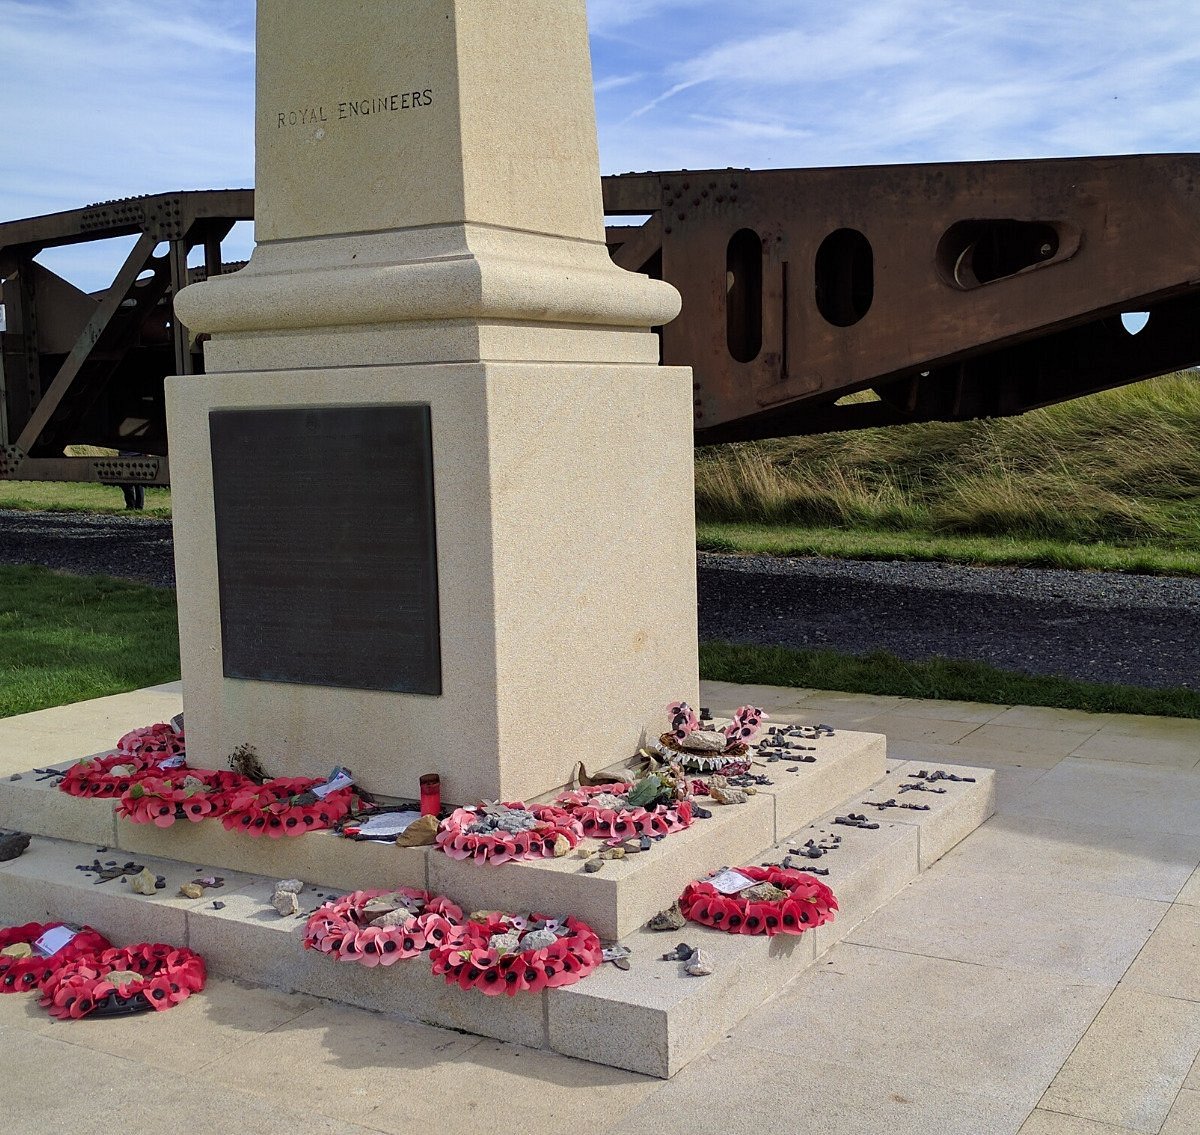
(650, 1019)
(615, 900)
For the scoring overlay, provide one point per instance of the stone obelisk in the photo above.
(433, 496)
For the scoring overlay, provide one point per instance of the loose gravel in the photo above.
(1093, 626)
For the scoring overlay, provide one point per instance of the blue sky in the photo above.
(112, 98)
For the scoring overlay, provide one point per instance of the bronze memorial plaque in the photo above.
(326, 552)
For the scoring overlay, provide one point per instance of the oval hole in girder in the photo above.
(145, 277)
(1134, 321)
(845, 277)
(973, 253)
(743, 295)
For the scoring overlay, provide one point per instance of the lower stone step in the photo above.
(651, 1019)
(614, 901)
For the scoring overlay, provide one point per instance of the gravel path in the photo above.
(1097, 626)
(130, 547)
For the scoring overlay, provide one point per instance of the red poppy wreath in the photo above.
(21, 972)
(192, 794)
(154, 743)
(127, 979)
(379, 928)
(285, 806)
(496, 833)
(605, 813)
(105, 778)
(782, 902)
(512, 954)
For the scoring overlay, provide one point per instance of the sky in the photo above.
(114, 98)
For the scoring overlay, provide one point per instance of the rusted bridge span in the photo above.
(951, 291)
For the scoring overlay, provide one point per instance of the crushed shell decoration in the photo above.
(123, 980)
(344, 930)
(809, 903)
(499, 847)
(623, 823)
(471, 964)
(24, 974)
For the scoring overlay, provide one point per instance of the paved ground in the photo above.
(1040, 979)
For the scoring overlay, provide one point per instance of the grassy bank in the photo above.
(66, 639)
(1109, 481)
(67, 496)
(882, 673)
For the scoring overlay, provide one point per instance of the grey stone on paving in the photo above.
(867, 870)
(1140, 864)
(739, 1089)
(957, 1025)
(953, 814)
(1015, 922)
(1132, 798)
(1130, 1063)
(1167, 964)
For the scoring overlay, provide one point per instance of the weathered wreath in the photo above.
(735, 739)
(349, 930)
(124, 979)
(105, 778)
(492, 955)
(272, 808)
(534, 832)
(192, 794)
(603, 818)
(155, 743)
(808, 903)
(22, 974)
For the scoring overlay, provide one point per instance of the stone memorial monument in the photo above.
(433, 498)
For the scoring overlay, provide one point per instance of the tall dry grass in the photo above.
(1120, 466)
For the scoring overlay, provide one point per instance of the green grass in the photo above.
(68, 496)
(859, 544)
(1108, 481)
(883, 673)
(66, 639)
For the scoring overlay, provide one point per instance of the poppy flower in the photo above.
(809, 903)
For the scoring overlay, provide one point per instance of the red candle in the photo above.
(431, 794)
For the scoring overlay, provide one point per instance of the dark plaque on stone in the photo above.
(326, 553)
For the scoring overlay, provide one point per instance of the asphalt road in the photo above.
(1095, 626)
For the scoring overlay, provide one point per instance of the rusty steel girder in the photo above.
(79, 369)
(951, 291)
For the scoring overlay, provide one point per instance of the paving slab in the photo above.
(1180, 754)
(1014, 922)
(1131, 1062)
(1032, 744)
(976, 712)
(738, 1089)
(1184, 1116)
(1129, 797)
(959, 1025)
(1138, 864)
(901, 727)
(1042, 1122)
(1167, 964)
(1050, 718)
(42, 1074)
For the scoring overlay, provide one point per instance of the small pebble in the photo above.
(218, 906)
(644, 843)
(593, 865)
(15, 776)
